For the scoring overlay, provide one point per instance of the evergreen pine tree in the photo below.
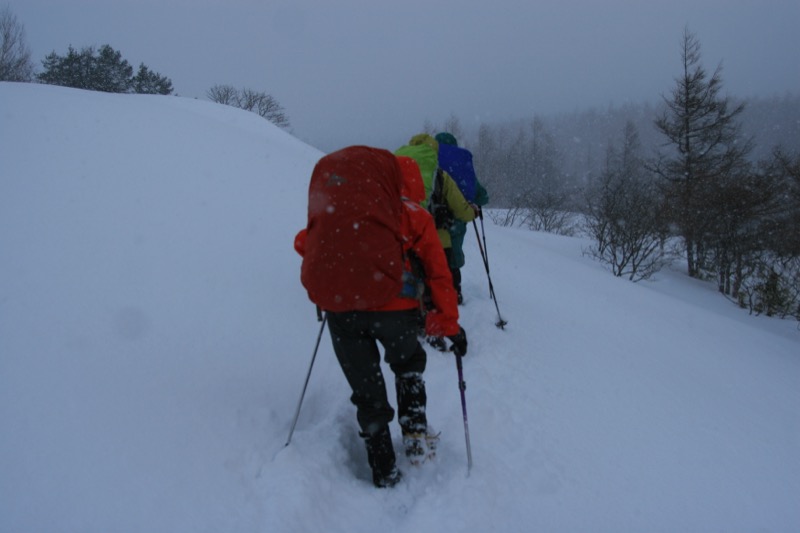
(104, 70)
(702, 129)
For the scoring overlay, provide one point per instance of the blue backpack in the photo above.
(457, 162)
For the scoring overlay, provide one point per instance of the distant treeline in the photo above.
(577, 142)
(708, 178)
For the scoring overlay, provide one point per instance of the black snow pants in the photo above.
(355, 336)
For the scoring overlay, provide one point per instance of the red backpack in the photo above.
(353, 249)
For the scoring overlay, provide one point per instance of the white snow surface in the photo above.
(155, 338)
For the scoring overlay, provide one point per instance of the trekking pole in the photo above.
(483, 234)
(462, 386)
(324, 319)
(500, 322)
(485, 260)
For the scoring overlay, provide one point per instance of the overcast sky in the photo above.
(373, 71)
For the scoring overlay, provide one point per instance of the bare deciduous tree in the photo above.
(15, 57)
(223, 94)
(767, 273)
(623, 215)
(546, 196)
(260, 103)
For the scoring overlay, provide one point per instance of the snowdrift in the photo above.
(154, 339)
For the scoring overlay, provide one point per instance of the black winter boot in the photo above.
(411, 402)
(380, 454)
(411, 405)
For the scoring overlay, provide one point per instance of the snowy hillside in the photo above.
(154, 340)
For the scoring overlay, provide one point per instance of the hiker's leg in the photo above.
(359, 358)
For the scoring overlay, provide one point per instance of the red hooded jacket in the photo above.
(420, 236)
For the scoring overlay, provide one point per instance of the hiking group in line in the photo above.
(382, 252)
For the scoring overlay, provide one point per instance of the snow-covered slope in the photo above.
(154, 340)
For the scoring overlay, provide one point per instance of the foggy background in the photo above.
(360, 72)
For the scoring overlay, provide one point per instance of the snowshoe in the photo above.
(420, 447)
(414, 444)
(431, 442)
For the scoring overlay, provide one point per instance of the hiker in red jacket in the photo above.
(356, 330)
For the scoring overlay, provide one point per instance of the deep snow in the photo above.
(154, 340)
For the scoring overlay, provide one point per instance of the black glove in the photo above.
(459, 346)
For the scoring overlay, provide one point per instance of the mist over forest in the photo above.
(702, 177)
(579, 140)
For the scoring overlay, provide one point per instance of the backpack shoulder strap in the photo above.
(437, 194)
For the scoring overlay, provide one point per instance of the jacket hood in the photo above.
(424, 138)
(413, 187)
(446, 138)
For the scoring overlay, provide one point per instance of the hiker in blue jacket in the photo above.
(457, 162)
